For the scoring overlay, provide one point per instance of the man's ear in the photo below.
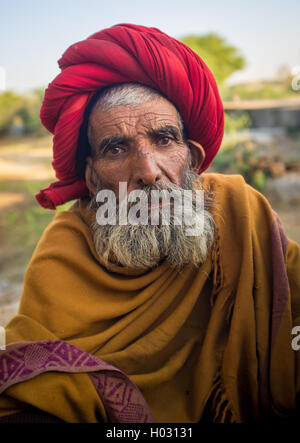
(90, 176)
(197, 155)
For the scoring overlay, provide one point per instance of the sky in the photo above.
(35, 33)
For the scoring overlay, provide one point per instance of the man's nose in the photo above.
(146, 169)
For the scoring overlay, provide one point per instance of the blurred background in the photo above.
(253, 49)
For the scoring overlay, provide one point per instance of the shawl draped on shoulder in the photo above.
(210, 343)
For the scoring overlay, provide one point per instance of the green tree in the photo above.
(222, 58)
(10, 104)
(30, 111)
(21, 107)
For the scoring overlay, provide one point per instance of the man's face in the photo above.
(141, 146)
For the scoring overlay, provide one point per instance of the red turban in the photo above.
(125, 53)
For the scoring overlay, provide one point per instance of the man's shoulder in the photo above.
(65, 222)
(224, 185)
(236, 201)
(230, 181)
(67, 231)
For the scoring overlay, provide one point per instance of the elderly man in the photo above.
(142, 322)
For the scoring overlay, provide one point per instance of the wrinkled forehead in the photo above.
(126, 120)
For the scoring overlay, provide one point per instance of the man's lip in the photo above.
(160, 205)
(154, 206)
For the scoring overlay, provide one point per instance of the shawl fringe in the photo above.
(218, 276)
(218, 281)
(220, 407)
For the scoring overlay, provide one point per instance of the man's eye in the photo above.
(165, 140)
(114, 150)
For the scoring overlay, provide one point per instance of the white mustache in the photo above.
(144, 246)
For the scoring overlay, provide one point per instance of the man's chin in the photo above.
(145, 247)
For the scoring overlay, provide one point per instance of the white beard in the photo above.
(145, 246)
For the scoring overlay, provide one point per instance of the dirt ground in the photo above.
(25, 168)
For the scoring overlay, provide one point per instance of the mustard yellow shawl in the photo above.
(209, 343)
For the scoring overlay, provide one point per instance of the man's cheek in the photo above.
(178, 158)
(107, 182)
(175, 166)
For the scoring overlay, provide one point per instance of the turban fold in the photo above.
(125, 53)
